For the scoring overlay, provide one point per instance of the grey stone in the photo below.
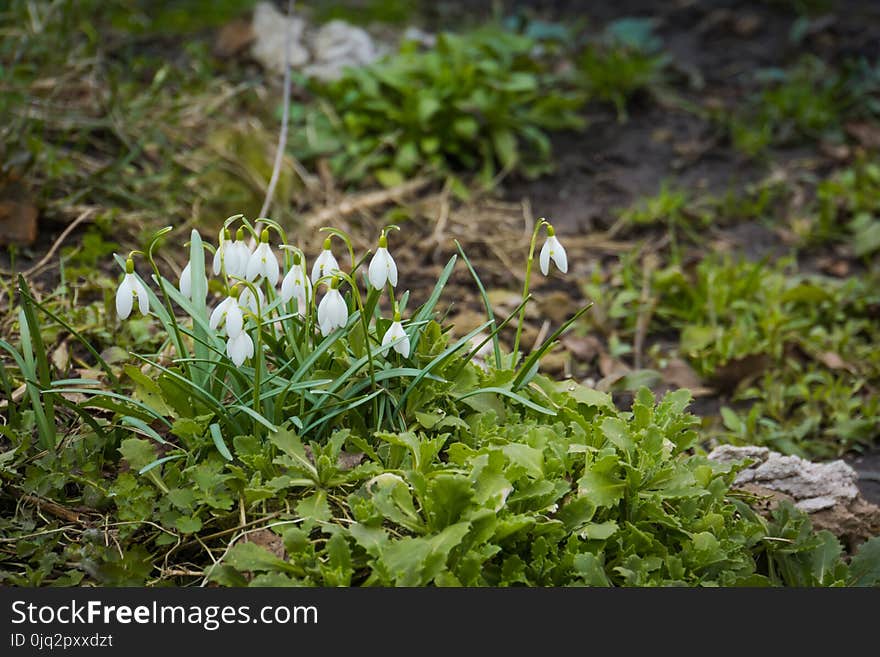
(813, 486)
(826, 491)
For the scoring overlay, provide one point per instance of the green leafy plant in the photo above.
(624, 61)
(847, 208)
(324, 453)
(810, 100)
(478, 102)
(796, 351)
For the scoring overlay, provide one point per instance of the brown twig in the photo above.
(54, 509)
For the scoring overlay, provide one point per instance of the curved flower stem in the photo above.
(525, 293)
(166, 299)
(258, 353)
(365, 324)
(344, 237)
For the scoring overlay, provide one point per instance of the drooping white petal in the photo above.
(228, 315)
(296, 286)
(219, 314)
(240, 348)
(263, 262)
(237, 266)
(185, 285)
(392, 271)
(382, 269)
(234, 320)
(142, 296)
(553, 250)
(394, 332)
(247, 300)
(325, 264)
(332, 312)
(544, 258)
(125, 297)
(558, 255)
(287, 287)
(218, 258)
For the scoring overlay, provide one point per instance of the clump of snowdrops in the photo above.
(285, 345)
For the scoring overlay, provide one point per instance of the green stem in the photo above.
(525, 293)
(365, 324)
(166, 300)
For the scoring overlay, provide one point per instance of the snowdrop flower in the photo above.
(247, 300)
(262, 262)
(332, 311)
(325, 263)
(130, 288)
(185, 285)
(240, 348)
(552, 250)
(241, 253)
(382, 267)
(224, 256)
(394, 332)
(296, 286)
(228, 314)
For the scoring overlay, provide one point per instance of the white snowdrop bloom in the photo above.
(247, 300)
(552, 250)
(382, 267)
(224, 254)
(228, 314)
(262, 262)
(325, 264)
(129, 288)
(394, 332)
(297, 286)
(240, 254)
(240, 348)
(185, 284)
(332, 311)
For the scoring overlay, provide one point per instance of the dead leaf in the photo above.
(504, 302)
(746, 25)
(839, 152)
(728, 376)
(18, 214)
(838, 267)
(556, 306)
(269, 540)
(233, 38)
(832, 360)
(609, 366)
(349, 460)
(61, 357)
(680, 374)
(555, 362)
(867, 134)
(583, 348)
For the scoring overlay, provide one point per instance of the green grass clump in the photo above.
(847, 209)
(806, 345)
(478, 102)
(809, 101)
(624, 61)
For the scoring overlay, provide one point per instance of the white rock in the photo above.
(813, 486)
(270, 28)
(338, 45)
